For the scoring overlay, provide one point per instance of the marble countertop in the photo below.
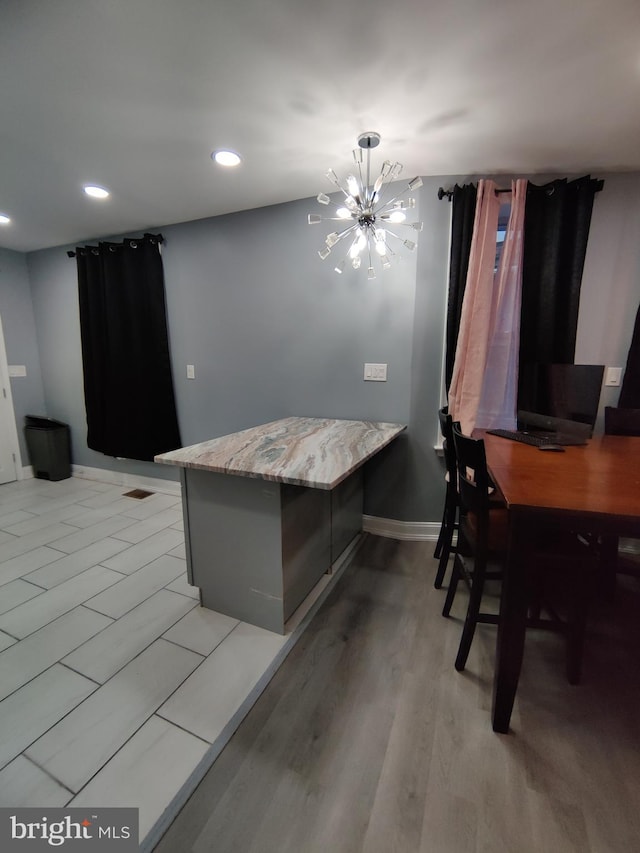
(315, 452)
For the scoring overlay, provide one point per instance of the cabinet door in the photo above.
(306, 541)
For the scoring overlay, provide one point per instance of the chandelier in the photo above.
(369, 218)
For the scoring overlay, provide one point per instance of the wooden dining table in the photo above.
(593, 488)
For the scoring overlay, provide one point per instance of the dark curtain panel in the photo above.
(557, 220)
(630, 391)
(462, 216)
(128, 384)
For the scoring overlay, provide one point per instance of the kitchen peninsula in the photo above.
(269, 510)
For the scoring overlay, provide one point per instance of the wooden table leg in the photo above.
(512, 624)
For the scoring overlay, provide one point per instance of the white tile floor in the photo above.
(116, 687)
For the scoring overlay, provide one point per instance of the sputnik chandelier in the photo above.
(368, 217)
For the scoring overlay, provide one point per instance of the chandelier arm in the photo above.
(347, 230)
(339, 185)
(393, 234)
(391, 200)
(385, 186)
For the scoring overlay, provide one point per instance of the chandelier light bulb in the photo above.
(343, 213)
(353, 187)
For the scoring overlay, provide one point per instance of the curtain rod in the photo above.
(157, 238)
(449, 193)
(442, 193)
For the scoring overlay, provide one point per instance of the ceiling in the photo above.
(134, 95)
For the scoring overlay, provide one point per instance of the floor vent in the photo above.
(138, 494)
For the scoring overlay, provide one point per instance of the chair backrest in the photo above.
(621, 421)
(473, 478)
(446, 428)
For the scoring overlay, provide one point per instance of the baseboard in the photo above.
(424, 531)
(27, 473)
(118, 478)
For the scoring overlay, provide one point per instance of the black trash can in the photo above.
(49, 446)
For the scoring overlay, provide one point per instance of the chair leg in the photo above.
(438, 549)
(448, 528)
(608, 566)
(453, 586)
(442, 565)
(448, 519)
(471, 619)
(578, 626)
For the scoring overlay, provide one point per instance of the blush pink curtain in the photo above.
(498, 399)
(476, 316)
(483, 388)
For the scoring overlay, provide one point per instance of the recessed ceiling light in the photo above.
(4, 219)
(226, 158)
(96, 192)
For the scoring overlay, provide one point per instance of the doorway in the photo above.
(9, 448)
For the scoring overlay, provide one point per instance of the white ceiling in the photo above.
(136, 94)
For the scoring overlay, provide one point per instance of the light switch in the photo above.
(375, 372)
(191, 371)
(613, 377)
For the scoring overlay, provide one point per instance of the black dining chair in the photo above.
(481, 553)
(617, 421)
(621, 421)
(449, 525)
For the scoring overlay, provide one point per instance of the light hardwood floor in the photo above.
(368, 740)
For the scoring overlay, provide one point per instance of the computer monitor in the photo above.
(570, 392)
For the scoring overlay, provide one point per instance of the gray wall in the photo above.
(272, 331)
(16, 310)
(610, 290)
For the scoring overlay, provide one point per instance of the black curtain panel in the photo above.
(557, 220)
(128, 385)
(630, 391)
(462, 217)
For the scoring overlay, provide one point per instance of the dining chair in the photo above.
(617, 421)
(449, 525)
(481, 553)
